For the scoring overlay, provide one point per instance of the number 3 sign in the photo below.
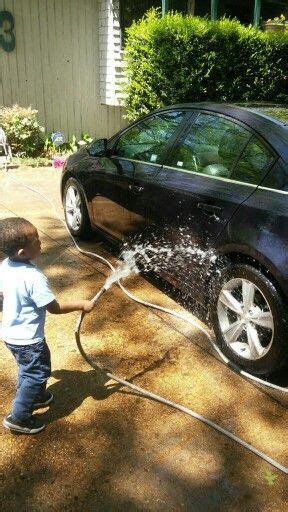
(7, 37)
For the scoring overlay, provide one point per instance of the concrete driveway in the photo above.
(106, 448)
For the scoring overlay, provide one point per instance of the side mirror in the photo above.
(98, 147)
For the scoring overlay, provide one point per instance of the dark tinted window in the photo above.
(253, 163)
(277, 178)
(146, 141)
(210, 147)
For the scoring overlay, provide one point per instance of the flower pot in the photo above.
(273, 27)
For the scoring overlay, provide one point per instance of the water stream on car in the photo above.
(161, 256)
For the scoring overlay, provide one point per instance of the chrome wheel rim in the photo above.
(73, 208)
(245, 319)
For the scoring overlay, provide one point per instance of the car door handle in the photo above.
(135, 189)
(209, 209)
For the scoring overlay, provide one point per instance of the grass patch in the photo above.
(32, 162)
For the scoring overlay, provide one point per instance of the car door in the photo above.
(138, 154)
(197, 192)
(108, 188)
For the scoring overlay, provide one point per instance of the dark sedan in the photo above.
(217, 175)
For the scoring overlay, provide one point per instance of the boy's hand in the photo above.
(88, 305)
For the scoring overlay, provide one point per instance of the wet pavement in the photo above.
(106, 448)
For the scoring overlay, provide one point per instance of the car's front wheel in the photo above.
(249, 319)
(76, 214)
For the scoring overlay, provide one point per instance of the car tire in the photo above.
(249, 318)
(75, 210)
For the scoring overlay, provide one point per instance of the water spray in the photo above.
(123, 270)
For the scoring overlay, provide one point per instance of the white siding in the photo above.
(111, 63)
(55, 66)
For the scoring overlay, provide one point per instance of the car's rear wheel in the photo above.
(76, 214)
(249, 319)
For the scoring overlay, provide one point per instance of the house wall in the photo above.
(55, 66)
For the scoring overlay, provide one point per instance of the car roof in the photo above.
(274, 131)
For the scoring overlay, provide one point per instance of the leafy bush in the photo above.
(176, 58)
(23, 130)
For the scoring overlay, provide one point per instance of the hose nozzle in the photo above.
(122, 271)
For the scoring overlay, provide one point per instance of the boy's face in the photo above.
(33, 247)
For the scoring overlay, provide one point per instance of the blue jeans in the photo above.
(34, 368)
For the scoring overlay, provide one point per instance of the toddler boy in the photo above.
(26, 295)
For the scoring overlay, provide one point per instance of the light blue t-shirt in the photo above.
(26, 292)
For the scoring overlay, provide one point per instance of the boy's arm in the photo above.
(67, 307)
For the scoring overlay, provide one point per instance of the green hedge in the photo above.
(176, 58)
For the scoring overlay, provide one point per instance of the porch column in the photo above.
(214, 9)
(165, 6)
(256, 14)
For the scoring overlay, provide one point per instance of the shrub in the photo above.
(176, 58)
(23, 131)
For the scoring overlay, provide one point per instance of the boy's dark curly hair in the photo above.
(12, 234)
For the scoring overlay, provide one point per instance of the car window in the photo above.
(253, 163)
(211, 146)
(277, 178)
(147, 140)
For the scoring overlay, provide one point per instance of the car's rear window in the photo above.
(275, 113)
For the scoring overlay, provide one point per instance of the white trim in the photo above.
(111, 53)
(228, 180)
(203, 175)
(137, 161)
(211, 177)
(273, 190)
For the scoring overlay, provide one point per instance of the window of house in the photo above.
(202, 8)
(243, 10)
(273, 8)
(131, 10)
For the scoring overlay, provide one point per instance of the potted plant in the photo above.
(277, 24)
